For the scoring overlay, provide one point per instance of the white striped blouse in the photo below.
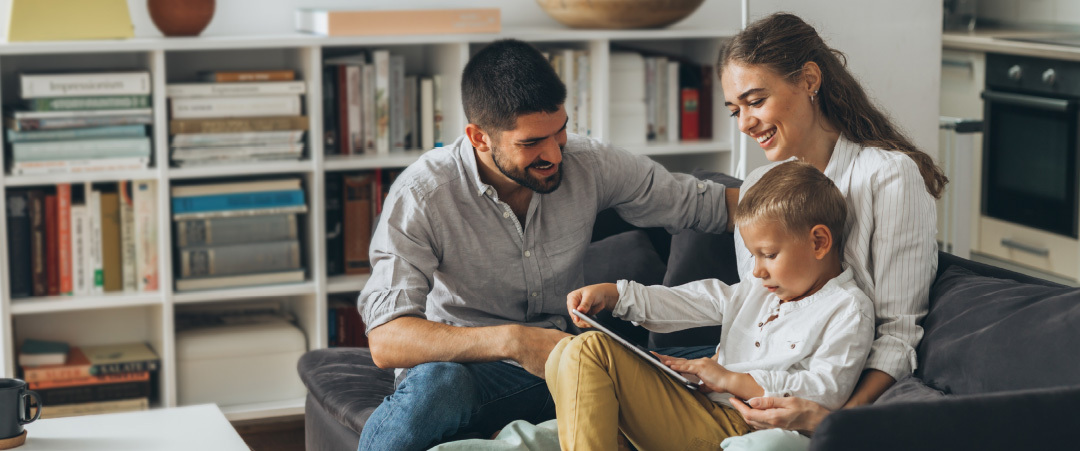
(889, 241)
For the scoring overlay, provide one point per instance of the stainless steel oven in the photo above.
(1030, 149)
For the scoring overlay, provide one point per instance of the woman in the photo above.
(793, 94)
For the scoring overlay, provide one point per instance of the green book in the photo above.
(88, 103)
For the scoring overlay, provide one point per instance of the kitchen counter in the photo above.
(998, 41)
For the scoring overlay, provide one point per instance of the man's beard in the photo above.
(523, 178)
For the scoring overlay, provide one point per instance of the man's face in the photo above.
(531, 153)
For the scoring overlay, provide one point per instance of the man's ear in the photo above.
(480, 139)
(822, 239)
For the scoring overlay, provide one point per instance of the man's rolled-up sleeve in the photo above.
(404, 256)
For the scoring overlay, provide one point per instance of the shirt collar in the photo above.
(843, 154)
(833, 284)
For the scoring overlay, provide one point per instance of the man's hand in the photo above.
(592, 299)
(786, 413)
(530, 346)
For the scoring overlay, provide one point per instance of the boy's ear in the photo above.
(822, 239)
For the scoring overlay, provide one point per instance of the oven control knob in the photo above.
(1015, 72)
(1049, 77)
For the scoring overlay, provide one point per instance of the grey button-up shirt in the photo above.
(447, 249)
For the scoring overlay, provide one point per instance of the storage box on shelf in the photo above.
(119, 316)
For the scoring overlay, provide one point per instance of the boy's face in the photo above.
(790, 267)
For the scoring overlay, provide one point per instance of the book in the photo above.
(87, 103)
(410, 112)
(94, 408)
(237, 138)
(436, 95)
(80, 237)
(673, 97)
(302, 208)
(335, 250)
(144, 199)
(252, 106)
(236, 201)
(80, 166)
(241, 124)
(96, 268)
(128, 376)
(236, 230)
(38, 260)
(63, 221)
(119, 131)
(35, 352)
(19, 115)
(209, 283)
(381, 61)
(127, 236)
(18, 235)
(62, 20)
(235, 89)
(111, 252)
(396, 100)
(120, 358)
(358, 211)
(55, 123)
(247, 76)
(328, 22)
(689, 114)
(230, 152)
(368, 114)
(52, 246)
(94, 393)
(427, 114)
(705, 103)
(208, 189)
(249, 258)
(329, 111)
(84, 84)
(81, 149)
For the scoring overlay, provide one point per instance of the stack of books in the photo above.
(85, 122)
(370, 106)
(353, 202)
(240, 233)
(83, 239)
(92, 379)
(656, 99)
(234, 117)
(574, 70)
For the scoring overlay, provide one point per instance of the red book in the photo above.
(52, 246)
(689, 113)
(63, 227)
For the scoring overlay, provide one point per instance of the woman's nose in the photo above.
(746, 122)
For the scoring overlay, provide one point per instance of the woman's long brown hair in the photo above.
(784, 43)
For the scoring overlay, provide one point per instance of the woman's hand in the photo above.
(787, 413)
(591, 300)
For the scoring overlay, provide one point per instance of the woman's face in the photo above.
(778, 114)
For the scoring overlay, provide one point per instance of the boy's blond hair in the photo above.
(796, 196)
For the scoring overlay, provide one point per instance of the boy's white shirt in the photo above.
(815, 349)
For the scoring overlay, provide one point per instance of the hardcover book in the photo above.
(96, 361)
(18, 223)
(236, 230)
(253, 106)
(38, 236)
(247, 76)
(380, 23)
(35, 352)
(235, 89)
(250, 258)
(84, 84)
(87, 103)
(240, 124)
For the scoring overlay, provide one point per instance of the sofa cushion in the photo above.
(909, 389)
(986, 334)
(627, 255)
(346, 383)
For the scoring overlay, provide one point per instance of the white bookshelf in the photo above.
(118, 317)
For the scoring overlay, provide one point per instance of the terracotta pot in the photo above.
(618, 13)
(181, 17)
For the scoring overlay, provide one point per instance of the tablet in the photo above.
(640, 351)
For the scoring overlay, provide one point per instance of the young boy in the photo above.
(797, 325)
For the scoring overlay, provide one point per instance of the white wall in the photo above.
(893, 48)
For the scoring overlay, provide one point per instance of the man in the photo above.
(480, 242)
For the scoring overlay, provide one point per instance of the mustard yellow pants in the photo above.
(601, 388)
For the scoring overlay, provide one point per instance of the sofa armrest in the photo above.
(1028, 419)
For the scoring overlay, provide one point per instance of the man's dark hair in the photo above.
(505, 80)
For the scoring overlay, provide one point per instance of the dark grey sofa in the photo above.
(999, 365)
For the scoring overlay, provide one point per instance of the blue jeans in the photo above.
(439, 400)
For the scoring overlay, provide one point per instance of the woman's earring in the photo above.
(812, 96)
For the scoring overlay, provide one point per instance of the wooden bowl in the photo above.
(181, 17)
(616, 14)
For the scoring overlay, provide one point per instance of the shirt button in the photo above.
(793, 346)
(700, 185)
(757, 344)
(760, 324)
(506, 214)
(534, 294)
(490, 192)
(528, 254)
(787, 395)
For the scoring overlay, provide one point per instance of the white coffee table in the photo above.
(200, 428)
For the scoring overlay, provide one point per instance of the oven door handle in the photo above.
(1042, 103)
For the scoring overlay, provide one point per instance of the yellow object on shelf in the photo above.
(54, 20)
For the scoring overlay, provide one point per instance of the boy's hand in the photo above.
(592, 300)
(714, 377)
